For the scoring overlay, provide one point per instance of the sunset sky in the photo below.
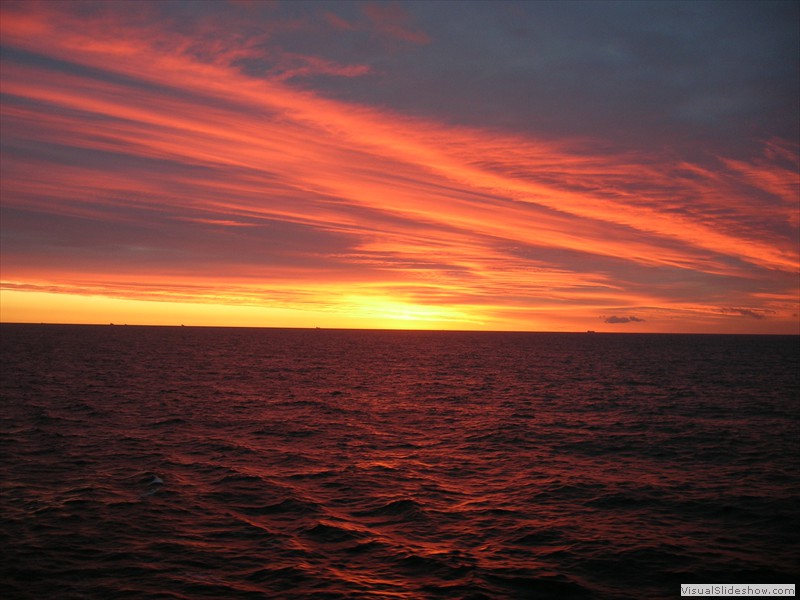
(558, 166)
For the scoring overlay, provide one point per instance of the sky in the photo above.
(530, 166)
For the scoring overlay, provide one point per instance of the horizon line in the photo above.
(410, 330)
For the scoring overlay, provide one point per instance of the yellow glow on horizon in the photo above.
(35, 307)
(358, 313)
(355, 312)
(410, 315)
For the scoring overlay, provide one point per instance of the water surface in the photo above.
(155, 462)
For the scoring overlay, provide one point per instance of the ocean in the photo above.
(183, 462)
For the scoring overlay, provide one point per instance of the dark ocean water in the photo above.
(152, 462)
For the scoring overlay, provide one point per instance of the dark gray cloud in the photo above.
(615, 319)
(747, 312)
(138, 239)
(643, 74)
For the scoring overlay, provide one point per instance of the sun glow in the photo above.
(358, 312)
(408, 315)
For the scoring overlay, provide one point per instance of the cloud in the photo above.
(615, 319)
(751, 313)
(669, 74)
(338, 22)
(285, 65)
(394, 21)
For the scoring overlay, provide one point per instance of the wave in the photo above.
(334, 533)
(403, 507)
